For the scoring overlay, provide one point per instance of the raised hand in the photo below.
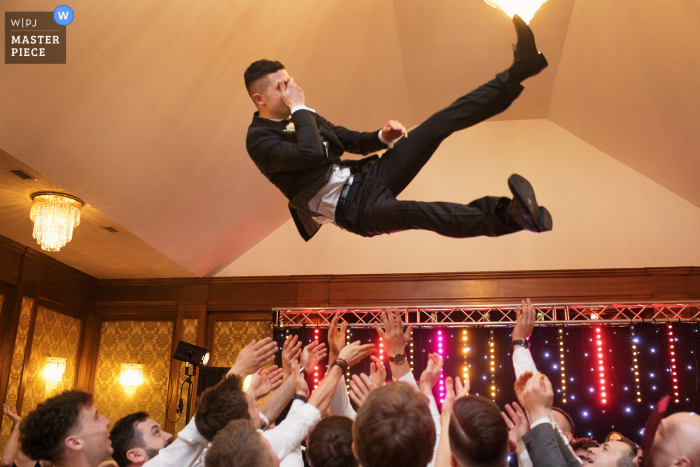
(431, 374)
(336, 338)
(377, 372)
(264, 381)
(536, 395)
(312, 354)
(518, 425)
(291, 350)
(393, 130)
(16, 419)
(300, 385)
(395, 339)
(292, 94)
(525, 320)
(360, 387)
(353, 353)
(454, 389)
(254, 356)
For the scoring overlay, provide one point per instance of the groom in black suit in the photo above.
(300, 152)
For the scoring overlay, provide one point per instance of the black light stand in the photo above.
(188, 381)
(191, 355)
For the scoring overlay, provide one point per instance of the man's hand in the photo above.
(355, 352)
(253, 356)
(16, 419)
(299, 381)
(518, 425)
(291, 350)
(264, 381)
(312, 354)
(292, 94)
(360, 387)
(431, 374)
(377, 372)
(336, 338)
(525, 320)
(395, 339)
(536, 395)
(393, 130)
(451, 395)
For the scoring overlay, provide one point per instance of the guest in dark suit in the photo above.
(300, 152)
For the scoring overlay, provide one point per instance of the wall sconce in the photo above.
(524, 8)
(131, 377)
(53, 371)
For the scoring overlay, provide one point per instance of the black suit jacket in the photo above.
(297, 163)
(547, 449)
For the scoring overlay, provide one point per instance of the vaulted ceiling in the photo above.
(147, 120)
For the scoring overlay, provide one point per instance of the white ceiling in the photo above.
(147, 121)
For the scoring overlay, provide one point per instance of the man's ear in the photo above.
(137, 456)
(257, 99)
(569, 436)
(73, 443)
(354, 451)
(453, 461)
(682, 462)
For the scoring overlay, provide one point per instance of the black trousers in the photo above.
(371, 207)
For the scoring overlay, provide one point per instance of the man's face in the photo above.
(608, 453)
(93, 435)
(254, 413)
(582, 453)
(271, 94)
(154, 438)
(675, 440)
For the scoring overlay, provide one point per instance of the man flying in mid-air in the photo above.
(300, 152)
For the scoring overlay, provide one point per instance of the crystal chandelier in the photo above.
(54, 216)
(131, 377)
(526, 9)
(53, 371)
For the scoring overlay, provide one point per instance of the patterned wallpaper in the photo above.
(189, 335)
(17, 365)
(231, 336)
(55, 335)
(147, 343)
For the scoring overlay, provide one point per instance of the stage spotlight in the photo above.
(192, 354)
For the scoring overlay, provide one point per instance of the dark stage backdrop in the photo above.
(624, 410)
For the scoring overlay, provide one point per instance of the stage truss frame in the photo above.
(500, 315)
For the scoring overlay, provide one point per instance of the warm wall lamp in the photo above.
(53, 371)
(191, 355)
(131, 377)
(526, 9)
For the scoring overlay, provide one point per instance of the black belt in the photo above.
(356, 177)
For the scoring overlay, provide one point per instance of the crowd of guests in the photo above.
(397, 423)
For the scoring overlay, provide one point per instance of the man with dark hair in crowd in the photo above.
(394, 427)
(67, 431)
(330, 444)
(581, 447)
(676, 442)
(226, 402)
(300, 153)
(241, 445)
(478, 434)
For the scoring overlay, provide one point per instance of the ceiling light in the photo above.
(54, 216)
(526, 9)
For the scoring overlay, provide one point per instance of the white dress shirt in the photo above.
(185, 451)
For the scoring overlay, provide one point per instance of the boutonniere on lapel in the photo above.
(290, 129)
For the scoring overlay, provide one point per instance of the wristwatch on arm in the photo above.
(399, 358)
(522, 342)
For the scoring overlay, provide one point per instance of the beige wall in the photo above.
(606, 215)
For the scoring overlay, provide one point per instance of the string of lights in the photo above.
(465, 353)
(492, 358)
(601, 365)
(347, 342)
(672, 355)
(316, 367)
(440, 352)
(562, 366)
(635, 368)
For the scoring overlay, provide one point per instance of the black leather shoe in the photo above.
(524, 210)
(527, 60)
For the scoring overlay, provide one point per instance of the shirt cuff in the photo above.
(264, 420)
(540, 421)
(302, 107)
(382, 139)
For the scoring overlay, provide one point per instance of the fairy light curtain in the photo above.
(579, 381)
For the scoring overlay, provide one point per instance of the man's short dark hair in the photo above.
(238, 445)
(568, 419)
(220, 405)
(258, 70)
(126, 437)
(584, 443)
(330, 444)
(43, 431)
(394, 427)
(478, 434)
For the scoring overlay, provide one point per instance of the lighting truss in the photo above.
(586, 314)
